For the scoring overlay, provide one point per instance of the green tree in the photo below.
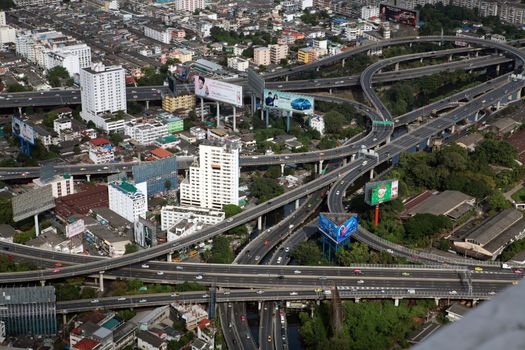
(6, 211)
(231, 210)
(423, 225)
(221, 252)
(6, 4)
(18, 88)
(49, 119)
(167, 185)
(264, 189)
(131, 248)
(59, 76)
(497, 201)
(116, 138)
(307, 253)
(358, 253)
(126, 314)
(334, 122)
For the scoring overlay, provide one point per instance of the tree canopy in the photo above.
(264, 188)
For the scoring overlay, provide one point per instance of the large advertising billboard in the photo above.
(75, 228)
(285, 101)
(338, 233)
(23, 130)
(381, 191)
(398, 15)
(218, 90)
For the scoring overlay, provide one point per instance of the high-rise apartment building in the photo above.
(128, 200)
(103, 91)
(2, 18)
(261, 56)
(189, 5)
(214, 180)
(278, 52)
(369, 11)
(28, 310)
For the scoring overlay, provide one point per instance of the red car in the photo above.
(266, 242)
(243, 318)
(56, 271)
(518, 271)
(57, 264)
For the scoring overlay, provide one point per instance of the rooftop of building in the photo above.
(195, 210)
(470, 139)
(501, 240)
(150, 338)
(51, 238)
(505, 124)
(7, 231)
(441, 203)
(99, 141)
(86, 344)
(24, 295)
(113, 219)
(105, 233)
(458, 309)
(167, 139)
(161, 153)
(494, 226)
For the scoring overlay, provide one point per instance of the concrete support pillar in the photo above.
(449, 58)
(297, 204)
(19, 110)
(259, 223)
(234, 118)
(436, 300)
(288, 117)
(267, 118)
(371, 174)
(286, 77)
(343, 61)
(64, 319)
(410, 44)
(282, 169)
(474, 302)
(42, 283)
(317, 69)
(353, 157)
(498, 105)
(497, 69)
(345, 161)
(168, 257)
(357, 300)
(88, 177)
(421, 60)
(262, 113)
(387, 141)
(330, 91)
(518, 94)
(202, 109)
(259, 306)
(396, 301)
(37, 226)
(321, 166)
(315, 168)
(254, 103)
(147, 105)
(476, 116)
(396, 68)
(453, 129)
(101, 281)
(218, 115)
(476, 54)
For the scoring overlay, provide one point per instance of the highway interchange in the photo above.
(428, 281)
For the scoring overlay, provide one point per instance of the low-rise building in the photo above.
(159, 153)
(61, 185)
(191, 314)
(146, 133)
(101, 151)
(159, 33)
(178, 103)
(504, 126)
(490, 238)
(166, 142)
(173, 123)
(170, 215)
(470, 141)
(148, 319)
(237, 63)
(149, 341)
(456, 312)
(450, 203)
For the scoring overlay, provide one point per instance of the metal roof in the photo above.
(25, 295)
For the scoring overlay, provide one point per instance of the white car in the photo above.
(337, 193)
(174, 295)
(121, 299)
(294, 293)
(260, 292)
(279, 259)
(205, 295)
(360, 282)
(291, 226)
(297, 272)
(287, 249)
(160, 273)
(179, 267)
(452, 292)
(142, 300)
(226, 292)
(365, 162)
(198, 277)
(145, 266)
(94, 301)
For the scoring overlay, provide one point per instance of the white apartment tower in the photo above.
(189, 5)
(278, 52)
(2, 18)
(261, 56)
(102, 90)
(128, 200)
(214, 181)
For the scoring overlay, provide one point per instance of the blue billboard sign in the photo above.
(338, 233)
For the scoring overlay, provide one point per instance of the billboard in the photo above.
(218, 90)
(398, 15)
(75, 228)
(22, 130)
(337, 232)
(145, 233)
(33, 202)
(274, 99)
(381, 191)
